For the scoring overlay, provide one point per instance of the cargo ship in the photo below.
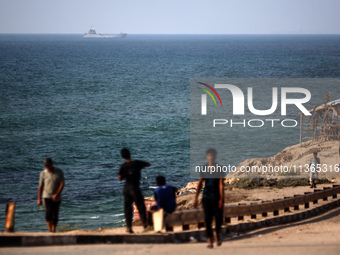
(92, 34)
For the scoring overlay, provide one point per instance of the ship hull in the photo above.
(122, 35)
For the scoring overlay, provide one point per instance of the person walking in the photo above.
(51, 184)
(212, 201)
(314, 168)
(130, 171)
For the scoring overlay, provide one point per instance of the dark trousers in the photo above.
(132, 194)
(52, 210)
(211, 211)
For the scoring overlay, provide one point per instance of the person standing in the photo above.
(130, 171)
(314, 168)
(51, 184)
(212, 201)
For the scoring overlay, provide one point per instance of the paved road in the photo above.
(187, 249)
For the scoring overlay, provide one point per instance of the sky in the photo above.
(171, 16)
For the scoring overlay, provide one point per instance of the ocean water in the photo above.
(80, 101)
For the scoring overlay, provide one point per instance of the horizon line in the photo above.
(22, 33)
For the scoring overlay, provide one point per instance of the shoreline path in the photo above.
(317, 235)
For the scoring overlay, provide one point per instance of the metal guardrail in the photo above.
(185, 218)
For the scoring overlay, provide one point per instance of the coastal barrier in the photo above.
(301, 207)
(254, 210)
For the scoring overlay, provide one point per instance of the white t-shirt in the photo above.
(314, 167)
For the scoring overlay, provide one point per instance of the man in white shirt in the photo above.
(51, 184)
(314, 168)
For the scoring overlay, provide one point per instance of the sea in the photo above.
(80, 100)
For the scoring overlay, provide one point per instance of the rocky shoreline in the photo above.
(298, 155)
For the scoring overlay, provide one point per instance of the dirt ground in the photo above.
(233, 196)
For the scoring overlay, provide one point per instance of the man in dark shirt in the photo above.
(130, 171)
(212, 200)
